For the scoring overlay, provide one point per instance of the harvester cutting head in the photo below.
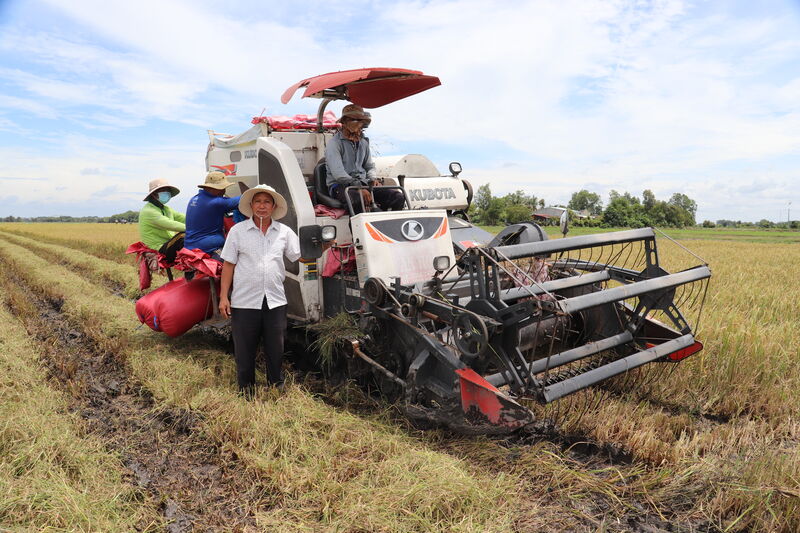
(535, 321)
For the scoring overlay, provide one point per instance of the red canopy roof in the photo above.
(367, 87)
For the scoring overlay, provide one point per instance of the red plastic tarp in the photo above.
(198, 260)
(326, 211)
(367, 87)
(142, 253)
(298, 122)
(140, 248)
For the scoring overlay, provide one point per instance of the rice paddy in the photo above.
(714, 446)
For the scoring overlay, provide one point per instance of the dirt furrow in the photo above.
(200, 486)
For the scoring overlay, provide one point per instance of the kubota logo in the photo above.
(439, 193)
(412, 230)
(228, 170)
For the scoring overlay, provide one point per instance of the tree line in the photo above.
(763, 224)
(126, 217)
(586, 209)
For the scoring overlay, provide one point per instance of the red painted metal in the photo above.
(491, 404)
(367, 87)
(686, 352)
(683, 353)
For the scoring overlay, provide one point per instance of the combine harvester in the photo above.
(465, 327)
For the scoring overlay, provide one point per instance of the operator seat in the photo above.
(321, 187)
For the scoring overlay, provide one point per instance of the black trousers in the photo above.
(386, 199)
(251, 326)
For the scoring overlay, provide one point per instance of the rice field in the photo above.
(713, 446)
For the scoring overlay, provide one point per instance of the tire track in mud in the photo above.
(601, 464)
(613, 496)
(199, 486)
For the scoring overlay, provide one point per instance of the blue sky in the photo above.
(703, 98)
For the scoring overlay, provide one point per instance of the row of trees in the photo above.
(623, 210)
(127, 216)
(511, 208)
(626, 210)
(763, 223)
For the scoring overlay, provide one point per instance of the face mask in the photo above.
(164, 197)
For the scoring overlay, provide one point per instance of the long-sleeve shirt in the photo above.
(349, 162)
(157, 225)
(204, 216)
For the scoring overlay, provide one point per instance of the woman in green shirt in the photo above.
(161, 227)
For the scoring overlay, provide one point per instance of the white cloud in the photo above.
(27, 105)
(622, 95)
(118, 177)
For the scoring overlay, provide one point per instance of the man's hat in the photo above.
(247, 196)
(357, 112)
(161, 184)
(216, 180)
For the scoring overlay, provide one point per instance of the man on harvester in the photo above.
(349, 163)
(205, 214)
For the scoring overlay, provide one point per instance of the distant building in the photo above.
(554, 213)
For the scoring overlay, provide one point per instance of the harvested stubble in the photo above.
(715, 442)
(107, 241)
(329, 469)
(54, 477)
(731, 411)
(117, 277)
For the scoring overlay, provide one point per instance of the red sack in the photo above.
(339, 258)
(227, 224)
(176, 306)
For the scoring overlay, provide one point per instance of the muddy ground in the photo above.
(198, 486)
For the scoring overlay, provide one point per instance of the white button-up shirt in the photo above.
(258, 258)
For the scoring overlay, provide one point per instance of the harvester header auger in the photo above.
(470, 330)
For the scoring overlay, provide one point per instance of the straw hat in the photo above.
(160, 184)
(247, 196)
(216, 180)
(357, 112)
